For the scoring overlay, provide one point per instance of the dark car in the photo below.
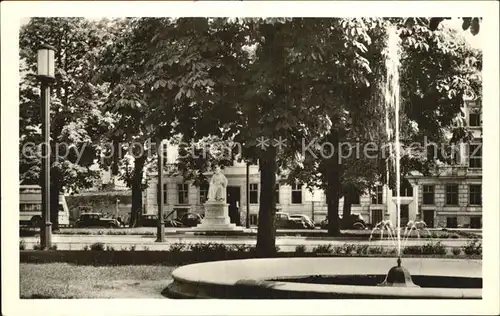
(355, 221)
(190, 219)
(96, 220)
(309, 223)
(283, 220)
(151, 220)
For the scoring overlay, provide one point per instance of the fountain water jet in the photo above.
(397, 275)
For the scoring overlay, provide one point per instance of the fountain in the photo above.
(333, 278)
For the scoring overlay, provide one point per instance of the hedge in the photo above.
(127, 257)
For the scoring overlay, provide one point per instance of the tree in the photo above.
(468, 23)
(160, 72)
(76, 119)
(287, 94)
(434, 77)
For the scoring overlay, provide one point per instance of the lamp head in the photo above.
(46, 63)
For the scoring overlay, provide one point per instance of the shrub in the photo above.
(86, 248)
(376, 250)
(53, 247)
(362, 249)
(412, 250)
(427, 249)
(209, 247)
(433, 249)
(110, 248)
(97, 246)
(132, 248)
(322, 249)
(454, 236)
(474, 247)
(177, 247)
(22, 244)
(241, 248)
(338, 250)
(300, 249)
(456, 251)
(348, 248)
(37, 246)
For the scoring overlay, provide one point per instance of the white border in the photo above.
(12, 12)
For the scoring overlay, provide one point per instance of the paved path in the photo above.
(76, 242)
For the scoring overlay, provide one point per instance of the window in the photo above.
(475, 197)
(451, 222)
(452, 194)
(475, 156)
(474, 119)
(30, 207)
(475, 222)
(378, 195)
(431, 152)
(254, 193)
(455, 155)
(277, 194)
(254, 219)
(165, 193)
(377, 216)
(296, 194)
(203, 193)
(428, 196)
(406, 189)
(355, 198)
(183, 193)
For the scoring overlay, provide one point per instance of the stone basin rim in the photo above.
(263, 274)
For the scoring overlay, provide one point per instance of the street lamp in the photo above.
(160, 233)
(45, 72)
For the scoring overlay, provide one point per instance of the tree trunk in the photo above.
(333, 186)
(136, 210)
(346, 209)
(266, 233)
(55, 189)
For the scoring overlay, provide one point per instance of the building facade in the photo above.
(451, 197)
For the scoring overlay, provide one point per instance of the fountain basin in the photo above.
(327, 278)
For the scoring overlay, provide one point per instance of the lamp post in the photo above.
(45, 72)
(160, 234)
(247, 193)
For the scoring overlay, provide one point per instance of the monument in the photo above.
(216, 209)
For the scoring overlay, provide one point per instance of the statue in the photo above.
(217, 187)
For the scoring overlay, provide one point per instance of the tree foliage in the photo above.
(76, 118)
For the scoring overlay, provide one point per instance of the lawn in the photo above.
(62, 280)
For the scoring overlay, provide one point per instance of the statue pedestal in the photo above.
(217, 218)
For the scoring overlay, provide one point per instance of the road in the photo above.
(288, 243)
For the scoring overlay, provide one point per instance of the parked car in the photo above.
(283, 220)
(173, 223)
(306, 219)
(190, 219)
(355, 222)
(96, 220)
(151, 220)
